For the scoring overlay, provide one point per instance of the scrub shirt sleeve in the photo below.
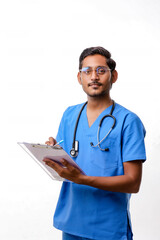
(61, 129)
(133, 146)
(59, 136)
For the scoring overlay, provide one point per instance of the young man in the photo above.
(96, 205)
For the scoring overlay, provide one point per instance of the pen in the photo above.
(59, 142)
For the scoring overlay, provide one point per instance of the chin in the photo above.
(96, 95)
(96, 92)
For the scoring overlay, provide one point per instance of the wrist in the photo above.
(84, 180)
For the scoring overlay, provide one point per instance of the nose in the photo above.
(94, 75)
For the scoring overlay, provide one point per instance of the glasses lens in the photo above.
(101, 70)
(86, 70)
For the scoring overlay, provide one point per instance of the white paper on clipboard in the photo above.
(39, 151)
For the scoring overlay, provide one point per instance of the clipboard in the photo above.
(40, 151)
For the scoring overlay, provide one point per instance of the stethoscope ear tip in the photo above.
(106, 149)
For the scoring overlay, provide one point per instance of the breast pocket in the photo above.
(104, 160)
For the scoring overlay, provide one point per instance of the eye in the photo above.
(101, 70)
(87, 70)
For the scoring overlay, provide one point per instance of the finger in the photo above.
(52, 141)
(52, 164)
(67, 164)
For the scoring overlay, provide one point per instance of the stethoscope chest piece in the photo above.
(75, 148)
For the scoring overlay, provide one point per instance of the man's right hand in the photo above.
(51, 141)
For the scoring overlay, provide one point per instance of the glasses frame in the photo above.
(83, 70)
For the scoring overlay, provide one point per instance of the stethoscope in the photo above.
(75, 144)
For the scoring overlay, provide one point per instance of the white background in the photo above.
(40, 43)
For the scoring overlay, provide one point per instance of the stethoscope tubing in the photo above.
(74, 150)
(75, 129)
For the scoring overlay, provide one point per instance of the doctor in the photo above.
(96, 205)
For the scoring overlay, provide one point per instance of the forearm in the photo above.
(127, 183)
(123, 183)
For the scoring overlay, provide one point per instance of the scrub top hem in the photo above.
(124, 237)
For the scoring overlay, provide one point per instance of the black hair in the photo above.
(97, 50)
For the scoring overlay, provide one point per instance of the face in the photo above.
(96, 78)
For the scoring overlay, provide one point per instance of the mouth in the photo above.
(94, 84)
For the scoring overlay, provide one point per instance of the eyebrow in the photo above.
(92, 67)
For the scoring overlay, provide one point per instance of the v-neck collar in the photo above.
(93, 128)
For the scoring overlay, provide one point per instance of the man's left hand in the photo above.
(66, 171)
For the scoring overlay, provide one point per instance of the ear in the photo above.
(79, 78)
(114, 76)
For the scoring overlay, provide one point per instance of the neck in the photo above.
(99, 103)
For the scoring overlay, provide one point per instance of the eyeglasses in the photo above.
(101, 70)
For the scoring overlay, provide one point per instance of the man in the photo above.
(96, 205)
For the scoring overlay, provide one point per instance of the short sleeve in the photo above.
(133, 146)
(62, 127)
(60, 134)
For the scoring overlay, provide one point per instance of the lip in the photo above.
(94, 84)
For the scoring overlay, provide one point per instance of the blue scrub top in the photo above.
(91, 212)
